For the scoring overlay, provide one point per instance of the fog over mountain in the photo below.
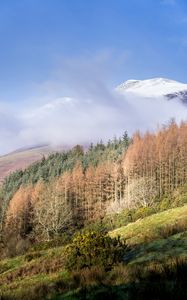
(94, 112)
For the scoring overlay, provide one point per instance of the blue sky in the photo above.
(133, 39)
(61, 59)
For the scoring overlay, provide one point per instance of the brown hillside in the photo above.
(23, 158)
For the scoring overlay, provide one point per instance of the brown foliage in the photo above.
(155, 164)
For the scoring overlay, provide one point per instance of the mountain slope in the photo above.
(150, 228)
(155, 87)
(133, 90)
(42, 273)
(22, 158)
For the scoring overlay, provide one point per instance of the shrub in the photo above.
(94, 249)
(121, 274)
(15, 245)
(56, 242)
(33, 255)
(164, 204)
(89, 276)
(3, 268)
(171, 229)
(180, 200)
(98, 225)
(161, 281)
(143, 212)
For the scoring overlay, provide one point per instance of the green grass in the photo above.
(43, 273)
(148, 243)
(148, 229)
(161, 250)
(17, 275)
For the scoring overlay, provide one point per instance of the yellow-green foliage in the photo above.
(42, 274)
(94, 248)
(142, 212)
(151, 228)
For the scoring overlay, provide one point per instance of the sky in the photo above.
(81, 49)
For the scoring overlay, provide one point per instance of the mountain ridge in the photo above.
(23, 157)
(154, 87)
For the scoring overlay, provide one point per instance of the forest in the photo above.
(75, 198)
(80, 186)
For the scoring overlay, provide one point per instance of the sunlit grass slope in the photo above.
(157, 238)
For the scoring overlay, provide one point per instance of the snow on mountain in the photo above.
(155, 87)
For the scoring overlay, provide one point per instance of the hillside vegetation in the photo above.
(154, 226)
(41, 274)
(102, 222)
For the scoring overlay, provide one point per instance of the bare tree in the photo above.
(142, 192)
(52, 214)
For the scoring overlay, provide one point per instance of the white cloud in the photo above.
(78, 107)
(71, 121)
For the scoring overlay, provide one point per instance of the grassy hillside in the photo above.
(154, 226)
(158, 239)
(134, 188)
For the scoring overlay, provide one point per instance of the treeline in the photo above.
(159, 160)
(77, 187)
(58, 163)
(42, 178)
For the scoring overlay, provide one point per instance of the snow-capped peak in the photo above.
(154, 87)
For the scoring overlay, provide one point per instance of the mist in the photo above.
(79, 106)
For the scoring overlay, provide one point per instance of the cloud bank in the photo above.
(69, 121)
(79, 107)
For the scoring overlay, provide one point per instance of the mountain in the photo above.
(155, 87)
(22, 158)
(66, 108)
